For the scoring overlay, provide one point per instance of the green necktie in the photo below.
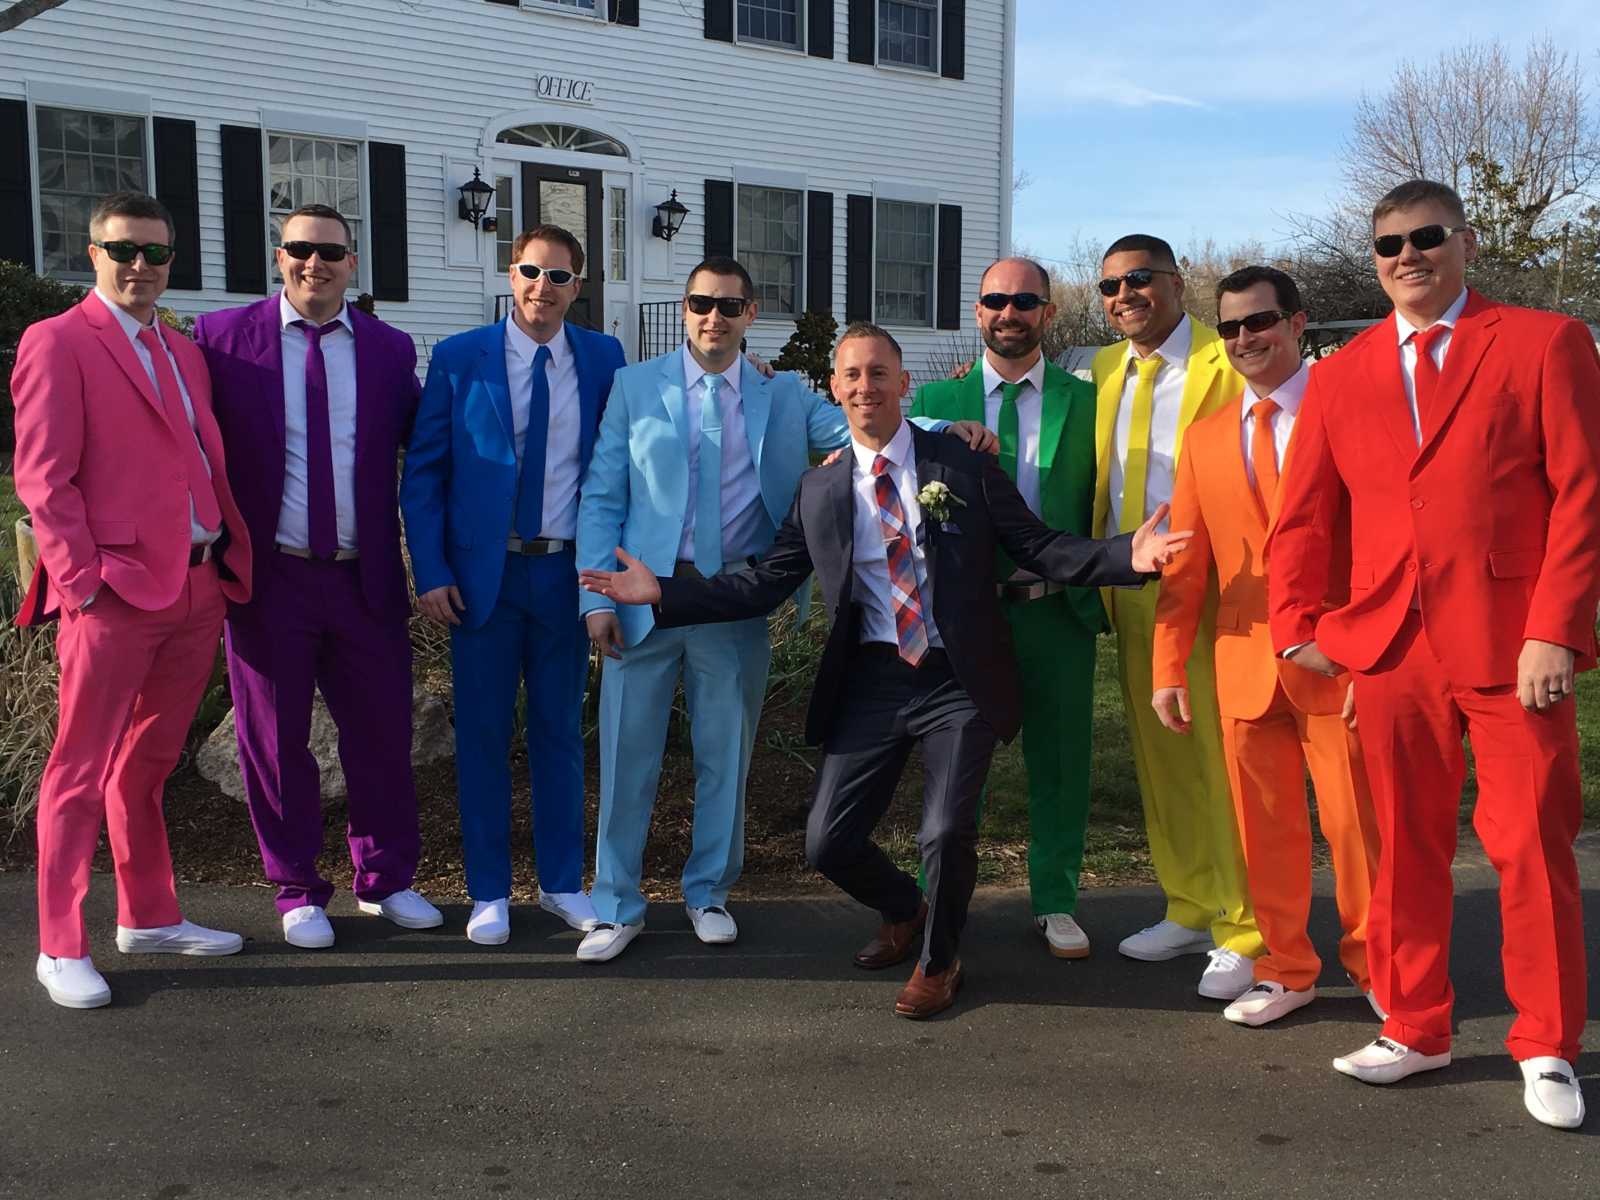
(1008, 428)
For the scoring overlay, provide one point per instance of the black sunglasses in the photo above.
(728, 306)
(559, 276)
(1021, 301)
(1139, 278)
(1426, 237)
(1256, 322)
(326, 251)
(154, 253)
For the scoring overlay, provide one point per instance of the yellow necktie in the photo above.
(1135, 467)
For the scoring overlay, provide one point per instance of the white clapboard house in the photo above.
(854, 154)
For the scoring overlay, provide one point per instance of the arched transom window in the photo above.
(546, 136)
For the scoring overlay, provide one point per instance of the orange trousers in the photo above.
(1529, 809)
(1267, 760)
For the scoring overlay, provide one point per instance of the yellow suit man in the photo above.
(1169, 372)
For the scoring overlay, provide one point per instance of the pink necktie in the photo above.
(194, 463)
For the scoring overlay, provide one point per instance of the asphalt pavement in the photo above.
(403, 1064)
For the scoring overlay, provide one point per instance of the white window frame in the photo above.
(325, 132)
(937, 49)
(921, 199)
(597, 11)
(776, 184)
(797, 47)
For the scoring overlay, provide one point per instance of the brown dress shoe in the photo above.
(929, 994)
(894, 943)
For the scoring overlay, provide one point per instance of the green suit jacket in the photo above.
(1066, 457)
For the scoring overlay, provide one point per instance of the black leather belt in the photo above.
(684, 568)
(531, 546)
(1034, 589)
(302, 552)
(884, 652)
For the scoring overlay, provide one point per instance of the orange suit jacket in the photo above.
(1496, 516)
(102, 472)
(1212, 495)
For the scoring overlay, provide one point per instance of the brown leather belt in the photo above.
(535, 546)
(302, 552)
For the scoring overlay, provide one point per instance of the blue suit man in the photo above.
(503, 436)
(698, 461)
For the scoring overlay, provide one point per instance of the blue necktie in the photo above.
(530, 487)
(708, 488)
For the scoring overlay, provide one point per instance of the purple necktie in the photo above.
(322, 519)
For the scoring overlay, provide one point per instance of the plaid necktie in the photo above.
(909, 630)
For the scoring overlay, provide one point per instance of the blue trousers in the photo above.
(532, 638)
(724, 669)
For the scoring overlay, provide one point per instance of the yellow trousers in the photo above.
(1183, 783)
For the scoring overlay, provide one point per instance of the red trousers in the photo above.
(1529, 809)
(130, 683)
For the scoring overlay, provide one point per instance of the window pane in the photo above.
(82, 157)
(904, 267)
(565, 204)
(769, 243)
(308, 170)
(776, 21)
(618, 212)
(505, 222)
(906, 32)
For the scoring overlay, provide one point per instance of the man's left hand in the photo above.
(975, 434)
(762, 366)
(1544, 675)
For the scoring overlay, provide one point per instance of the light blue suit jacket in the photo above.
(459, 487)
(637, 492)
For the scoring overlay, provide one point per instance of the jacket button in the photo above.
(1411, 566)
(1416, 504)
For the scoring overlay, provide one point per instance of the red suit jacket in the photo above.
(102, 472)
(1495, 517)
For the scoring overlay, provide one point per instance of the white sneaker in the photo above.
(1387, 1061)
(406, 909)
(307, 927)
(72, 982)
(1063, 934)
(1550, 1091)
(1164, 940)
(1227, 976)
(605, 941)
(1372, 999)
(183, 938)
(574, 908)
(490, 922)
(1265, 1003)
(713, 924)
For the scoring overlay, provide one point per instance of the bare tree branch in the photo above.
(24, 10)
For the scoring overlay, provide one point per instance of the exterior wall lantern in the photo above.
(476, 197)
(669, 218)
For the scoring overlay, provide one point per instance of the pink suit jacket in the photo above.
(102, 472)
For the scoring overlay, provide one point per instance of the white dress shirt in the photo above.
(1165, 408)
(561, 469)
(1408, 352)
(339, 357)
(1287, 396)
(1030, 410)
(746, 528)
(870, 563)
(197, 532)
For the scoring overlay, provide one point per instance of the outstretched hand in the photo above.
(635, 584)
(1152, 550)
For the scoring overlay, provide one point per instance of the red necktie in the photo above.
(194, 463)
(1425, 377)
(906, 600)
(1264, 453)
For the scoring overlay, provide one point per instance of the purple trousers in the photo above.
(309, 627)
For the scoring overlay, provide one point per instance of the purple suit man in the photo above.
(315, 401)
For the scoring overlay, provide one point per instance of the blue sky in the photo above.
(1194, 120)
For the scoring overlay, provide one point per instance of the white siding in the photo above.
(434, 75)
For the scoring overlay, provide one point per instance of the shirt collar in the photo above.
(693, 373)
(1404, 328)
(1287, 395)
(129, 323)
(992, 380)
(287, 314)
(898, 451)
(1176, 348)
(525, 347)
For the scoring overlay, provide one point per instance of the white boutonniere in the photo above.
(936, 498)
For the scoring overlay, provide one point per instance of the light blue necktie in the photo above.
(708, 488)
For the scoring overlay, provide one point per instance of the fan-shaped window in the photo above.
(562, 137)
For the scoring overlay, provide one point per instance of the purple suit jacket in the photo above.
(244, 349)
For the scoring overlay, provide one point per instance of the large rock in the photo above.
(432, 740)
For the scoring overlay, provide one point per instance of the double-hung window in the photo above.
(770, 243)
(83, 156)
(908, 33)
(313, 170)
(772, 22)
(904, 260)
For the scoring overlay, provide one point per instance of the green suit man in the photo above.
(1045, 420)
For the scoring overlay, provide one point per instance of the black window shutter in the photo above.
(953, 39)
(244, 211)
(178, 187)
(719, 20)
(947, 282)
(16, 186)
(819, 251)
(858, 258)
(390, 254)
(863, 31)
(719, 218)
(819, 29)
(624, 12)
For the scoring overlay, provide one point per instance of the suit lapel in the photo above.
(675, 400)
(588, 397)
(109, 330)
(1202, 370)
(755, 398)
(1108, 397)
(927, 471)
(1472, 336)
(368, 367)
(838, 481)
(973, 395)
(1388, 390)
(1054, 402)
(492, 370)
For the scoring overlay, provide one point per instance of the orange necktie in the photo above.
(1264, 454)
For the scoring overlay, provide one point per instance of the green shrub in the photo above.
(809, 349)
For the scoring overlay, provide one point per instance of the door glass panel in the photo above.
(505, 222)
(563, 204)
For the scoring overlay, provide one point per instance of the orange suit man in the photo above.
(1464, 438)
(1278, 719)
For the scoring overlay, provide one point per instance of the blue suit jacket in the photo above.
(458, 491)
(637, 493)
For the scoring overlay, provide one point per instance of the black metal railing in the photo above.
(660, 328)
